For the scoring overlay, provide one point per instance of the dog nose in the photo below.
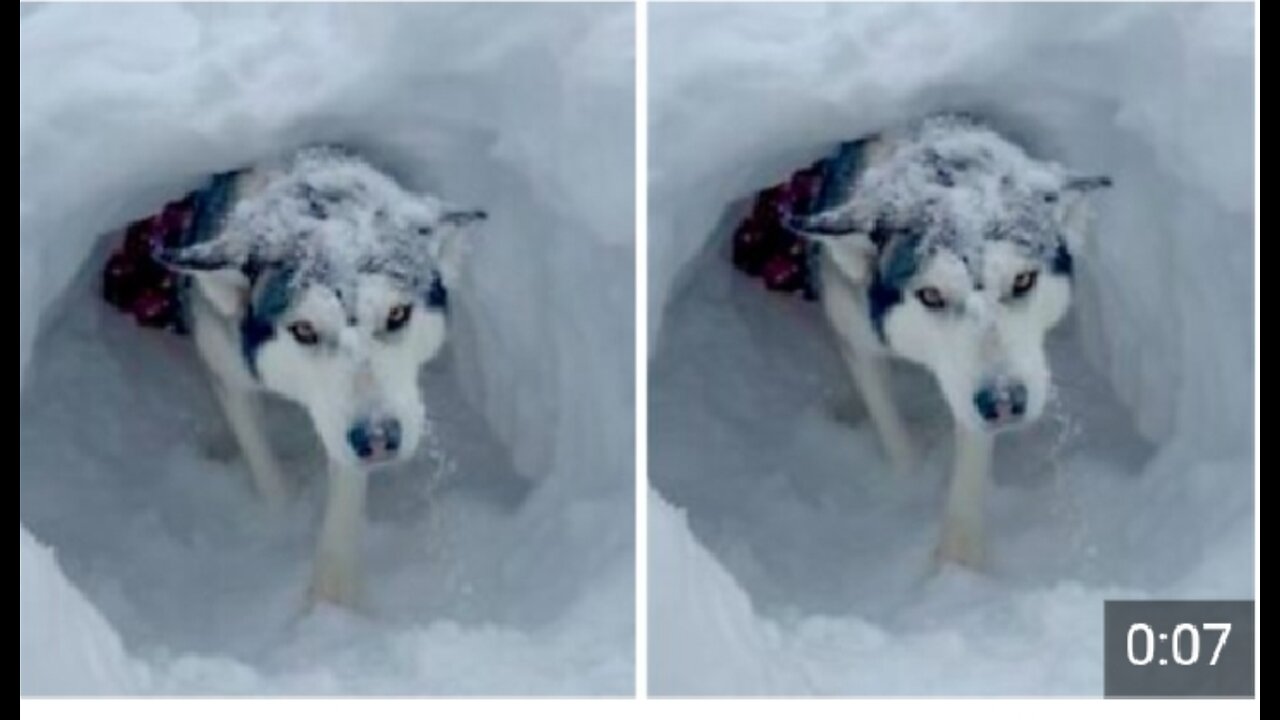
(1002, 403)
(375, 439)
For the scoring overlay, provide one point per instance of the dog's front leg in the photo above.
(337, 570)
(962, 540)
(871, 376)
(241, 410)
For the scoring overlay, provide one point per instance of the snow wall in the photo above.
(501, 561)
(783, 559)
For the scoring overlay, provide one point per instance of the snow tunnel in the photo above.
(784, 558)
(500, 561)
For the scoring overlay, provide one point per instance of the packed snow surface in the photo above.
(500, 560)
(784, 559)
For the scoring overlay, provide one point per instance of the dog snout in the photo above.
(1001, 403)
(374, 440)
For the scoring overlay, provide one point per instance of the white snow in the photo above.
(353, 216)
(64, 640)
(499, 562)
(783, 558)
(992, 185)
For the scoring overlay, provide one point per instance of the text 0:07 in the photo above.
(1184, 642)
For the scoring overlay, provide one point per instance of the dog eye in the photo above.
(1023, 283)
(931, 297)
(304, 332)
(399, 317)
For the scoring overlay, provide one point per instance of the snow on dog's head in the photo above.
(337, 278)
(964, 246)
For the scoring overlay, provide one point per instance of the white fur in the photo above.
(358, 370)
(983, 334)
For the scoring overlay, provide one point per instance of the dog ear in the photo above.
(449, 240)
(846, 241)
(218, 268)
(1074, 207)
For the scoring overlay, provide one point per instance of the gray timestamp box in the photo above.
(1178, 648)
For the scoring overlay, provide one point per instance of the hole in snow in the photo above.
(129, 472)
(505, 569)
(777, 477)
(757, 431)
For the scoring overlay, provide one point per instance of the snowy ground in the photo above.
(500, 561)
(783, 557)
(781, 560)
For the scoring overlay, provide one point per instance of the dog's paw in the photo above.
(334, 586)
(961, 544)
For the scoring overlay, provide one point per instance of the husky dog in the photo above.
(324, 281)
(952, 249)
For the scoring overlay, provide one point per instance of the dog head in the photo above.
(337, 277)
(964, 246)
